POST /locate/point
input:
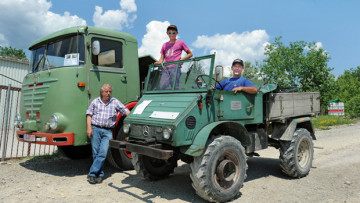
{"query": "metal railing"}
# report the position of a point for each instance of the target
(10, 147)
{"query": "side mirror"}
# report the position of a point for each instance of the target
(95, 47)
(219, 72)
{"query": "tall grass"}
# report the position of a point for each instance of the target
(326, 121)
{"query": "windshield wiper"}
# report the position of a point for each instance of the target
(38, 63)
(188, 73)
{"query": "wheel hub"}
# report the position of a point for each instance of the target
(226, 170)
(303, 153)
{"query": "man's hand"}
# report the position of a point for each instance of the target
(89, 132)
(237, 89)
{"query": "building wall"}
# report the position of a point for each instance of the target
(13, 68)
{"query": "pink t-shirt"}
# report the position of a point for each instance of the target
(172, 51)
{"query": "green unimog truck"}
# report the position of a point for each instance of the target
(213, 130)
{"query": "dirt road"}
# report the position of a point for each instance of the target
(335, 177)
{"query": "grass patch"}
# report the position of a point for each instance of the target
(326, 121)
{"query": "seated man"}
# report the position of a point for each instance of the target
(238, 83)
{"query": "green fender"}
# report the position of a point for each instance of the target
(304, 122)
(233, 129)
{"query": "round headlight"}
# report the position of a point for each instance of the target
(167, 133)
(126, 128)
(53, 122)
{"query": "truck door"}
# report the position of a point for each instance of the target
(107, 67)
(236, 106)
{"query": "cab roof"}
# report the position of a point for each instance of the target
(83, 30)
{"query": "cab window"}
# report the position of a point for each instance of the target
(110, 54)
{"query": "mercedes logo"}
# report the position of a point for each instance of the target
(146, 130)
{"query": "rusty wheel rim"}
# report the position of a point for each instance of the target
(303, 155)
(227, 171)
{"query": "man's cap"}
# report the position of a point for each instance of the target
(238, 61)
(172, 27)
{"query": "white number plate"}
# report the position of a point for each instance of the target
(29, 138)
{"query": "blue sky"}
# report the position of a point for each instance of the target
(232, 28)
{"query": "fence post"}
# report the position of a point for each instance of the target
(3, 150)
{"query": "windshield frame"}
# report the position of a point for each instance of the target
(208, 84)
(42, 64)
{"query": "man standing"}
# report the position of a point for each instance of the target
(100, 119)
(237, 83)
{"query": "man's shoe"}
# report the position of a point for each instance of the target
(99, 179)
(91, 179)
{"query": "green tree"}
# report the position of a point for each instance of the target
(12, 52)
(349, 92)
(302, 65)
(252, 73)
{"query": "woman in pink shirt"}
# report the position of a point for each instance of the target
(171, 51)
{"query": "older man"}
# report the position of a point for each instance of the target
(238, 83)
(101, 118)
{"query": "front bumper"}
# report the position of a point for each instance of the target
(153, 150)
(59, 139)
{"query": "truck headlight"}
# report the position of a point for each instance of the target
(167, 132)
(126, 128)
(53, 122)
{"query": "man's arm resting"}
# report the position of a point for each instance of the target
(249, 90)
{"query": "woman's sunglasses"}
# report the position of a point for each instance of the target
(172, 33)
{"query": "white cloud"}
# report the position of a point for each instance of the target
(22, 22)
(116, 19)
(154, 39)
(248, 46)
(128, 5)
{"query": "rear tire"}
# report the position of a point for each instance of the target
(120, 159)
(76, 152)
(153, 169)
(296, 156)
(219, 173)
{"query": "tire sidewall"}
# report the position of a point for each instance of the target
(226, 147)
(304, 135)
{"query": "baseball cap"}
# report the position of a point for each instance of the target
(172, 27)
(238, 61)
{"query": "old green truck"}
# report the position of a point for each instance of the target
(68, 68)
(213, 130)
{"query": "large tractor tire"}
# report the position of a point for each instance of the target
(153, 169)
(219, 173)
(76, 152)
(120, 159)
(296, 156)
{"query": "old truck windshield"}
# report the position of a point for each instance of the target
(68, 51)
(190, 75)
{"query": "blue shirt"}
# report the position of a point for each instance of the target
(105, 115)
(231, 83)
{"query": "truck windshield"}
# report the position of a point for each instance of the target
(190, 75)
(65, 52)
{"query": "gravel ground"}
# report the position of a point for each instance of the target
(334, 177)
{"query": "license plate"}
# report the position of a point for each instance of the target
(29, 138)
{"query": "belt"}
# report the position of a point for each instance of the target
(102, 127)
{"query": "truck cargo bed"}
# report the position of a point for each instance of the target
(285, 105)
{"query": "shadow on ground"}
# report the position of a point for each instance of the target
(177, 186)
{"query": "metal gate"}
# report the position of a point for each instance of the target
(12, 147)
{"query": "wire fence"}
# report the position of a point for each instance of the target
(12, 147)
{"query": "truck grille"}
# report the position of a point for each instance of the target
(34, 94)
